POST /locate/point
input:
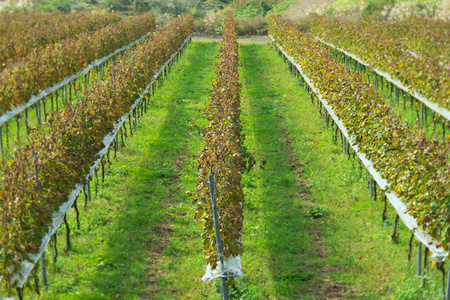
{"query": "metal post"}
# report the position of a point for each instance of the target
(217, 230)
(395, 94)
(43, 270)
(89, 190)
(7, 133)
(344, 144)
(447, 295)
(1, 139)
(421, 114)
(419, 259)
(38, 113)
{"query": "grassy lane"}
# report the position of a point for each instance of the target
(133, 238)
(347, 253)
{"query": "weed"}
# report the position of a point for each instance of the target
(315, 212)
(298, 277)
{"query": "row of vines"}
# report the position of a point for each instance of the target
(417, 168)
(42, 174)
(426, 74)
(39, 70)
(21, 34)
(222, 155)
(423, 36)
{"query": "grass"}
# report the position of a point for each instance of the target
(134, 234)
(311, 229)
(281, 7)
(347, 252)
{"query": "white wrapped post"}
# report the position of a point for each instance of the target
(218, 237)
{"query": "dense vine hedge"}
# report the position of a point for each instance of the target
(51, 64)
(21, 34)
(426, 37)
(222, 155)
(418, 169)
(424, 74)
(42, 174)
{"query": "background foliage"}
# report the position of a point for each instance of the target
(170, 7)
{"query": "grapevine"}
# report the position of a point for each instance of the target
(49, 167)
(425, 37)
(37, 71)
(222, 155)
(425, 74)
(417, 169)
(21, 34)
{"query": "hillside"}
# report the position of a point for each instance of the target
(385, 9)
(291, 9)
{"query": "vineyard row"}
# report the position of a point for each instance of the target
(347, 141)
(40, 107)
(40, 70)
(420, 36)
(21, 34)
(222, 157)
(398, 85)
(50, 167)
(425, 75)
(416, 170)
(35, 101)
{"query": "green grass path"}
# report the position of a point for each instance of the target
(135, 229)
(345, 254)
(139, 240)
